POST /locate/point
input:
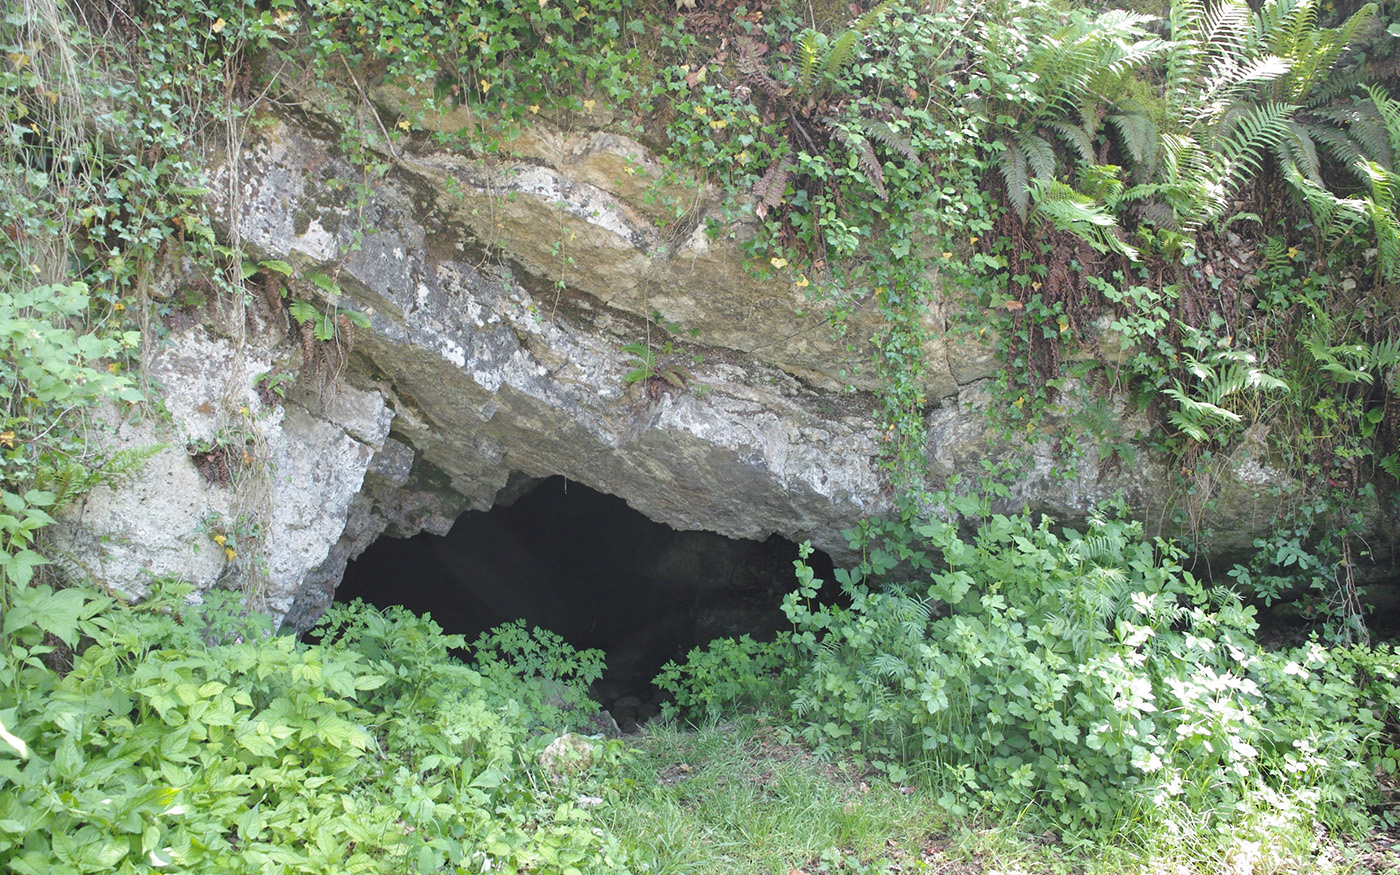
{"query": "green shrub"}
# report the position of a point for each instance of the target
(371, 750)
(728, 674)
(1085, 681)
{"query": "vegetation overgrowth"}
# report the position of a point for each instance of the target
(1213, 192)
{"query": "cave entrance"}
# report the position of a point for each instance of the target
(591, 569)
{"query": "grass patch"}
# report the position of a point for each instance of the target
(743, 795)
(740, 796)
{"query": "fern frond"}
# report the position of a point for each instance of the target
(809, 50)
(1260, 128)
(1040, 155)
(841, 53)
(1372, 136)
(1227, 27)
(1313, 51)
(890, 138)
(1139, 136)
(1101, 182)
(1076, 137)
(1069, 210)
(1389, 111)
(1013, 169)
(866, 159)
(1298, 148)
(302, 311)
(1342, 148)
(771, 187)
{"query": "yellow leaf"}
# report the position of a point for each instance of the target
(118, 306)
(947, 255)
(405, 125)
(1064, 326)
(719, 124)
(229, 554)
(218, 25)
(20, 61)
(485, 86)
(220, 539)
(588, 105)
(972, 241)
(779, 263)
(1036, 285)
(534, 107)
(802, 282)
(1293, 252)
(7, 439)
(114, 367)
(702, 110)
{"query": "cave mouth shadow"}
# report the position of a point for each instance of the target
(589, 568)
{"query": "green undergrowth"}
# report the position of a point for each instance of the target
(1022, 699)
(180, 738)
(743, 794)
(1080, 682)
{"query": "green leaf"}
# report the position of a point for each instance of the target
(489, 779)
(303, 311)
(277, 266)
(324, 283)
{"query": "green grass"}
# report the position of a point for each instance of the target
(739, 796)
(742, 796)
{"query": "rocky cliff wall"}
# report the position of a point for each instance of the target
(500, 294)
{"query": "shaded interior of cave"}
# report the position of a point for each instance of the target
(588, 567)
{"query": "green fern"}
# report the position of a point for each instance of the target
(1066, 209)
(1291, 31)
(1074, 73)
(822, 59)
(1228, 379)
(1378, 209)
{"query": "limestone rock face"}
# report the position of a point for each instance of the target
(500, 296)
(491, 374)
(242, 493)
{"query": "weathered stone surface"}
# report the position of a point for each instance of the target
(500, 295)
(1065, 470)
(283, 478)
(488, 379)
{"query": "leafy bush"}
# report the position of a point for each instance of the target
(727, 674)
(1084, 680)
(370, 750)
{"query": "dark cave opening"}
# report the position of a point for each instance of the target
(591, 569)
